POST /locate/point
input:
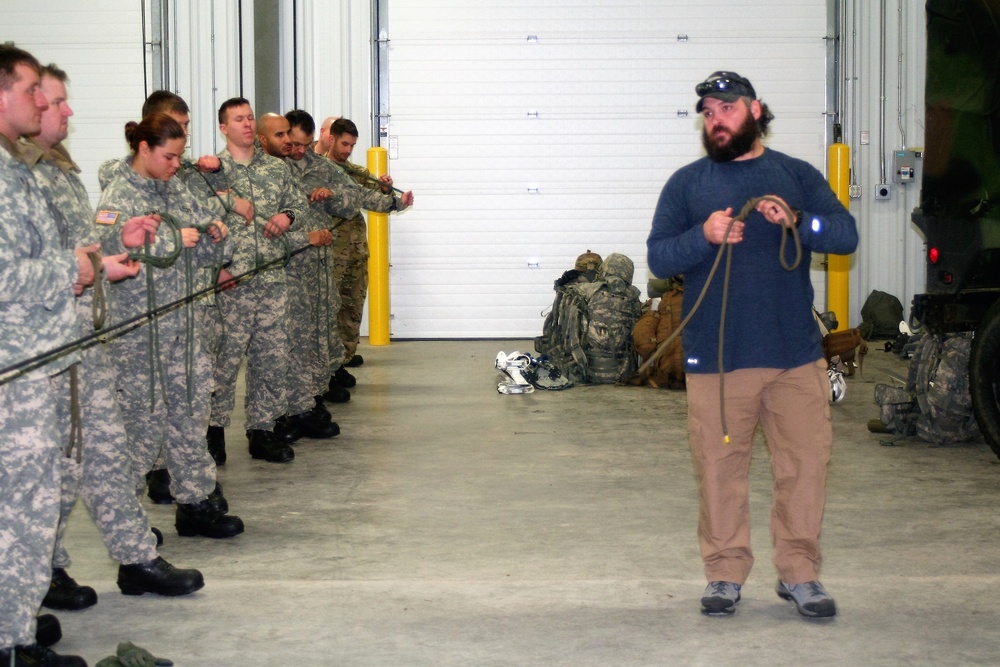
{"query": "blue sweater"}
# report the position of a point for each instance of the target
(769, 321)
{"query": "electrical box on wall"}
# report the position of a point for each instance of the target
(904, 165)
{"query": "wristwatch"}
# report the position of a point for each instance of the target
(291, 215)
(798, 216)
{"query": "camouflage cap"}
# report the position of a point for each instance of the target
(617, 267)
(588, 261)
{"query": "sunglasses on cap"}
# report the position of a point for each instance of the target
(725, 83)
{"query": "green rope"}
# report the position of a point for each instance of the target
(160, 262)
(349, 168)
(727, 250)
(99, 302)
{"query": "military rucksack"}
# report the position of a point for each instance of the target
(653, 328)
(880, 315)
(939, 380)
(588, 332)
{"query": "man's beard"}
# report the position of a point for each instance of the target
(740, 143)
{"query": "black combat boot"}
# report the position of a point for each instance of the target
(355, 361)
(312, 426)
(38, 656)
(158, 486)
(65, 593)
(336, 394)
(218, 500)
(203, 518)
(216, 438)
(343, 377)
(48, 630)
(284, 431)
(263, 445)
(158, 576)
(321, 409)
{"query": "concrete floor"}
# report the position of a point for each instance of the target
(450, 525)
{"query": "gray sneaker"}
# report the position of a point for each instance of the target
(810, 598)
(720, 597)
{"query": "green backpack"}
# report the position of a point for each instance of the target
(588, 332)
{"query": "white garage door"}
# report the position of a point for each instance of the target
(533, 130)
(100, 46)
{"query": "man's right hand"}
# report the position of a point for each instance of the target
(321, 237)
(119, 267)
(85, 266)
(715, 228)
(243, 208)
(209, 164)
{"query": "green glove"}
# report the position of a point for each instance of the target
(110, 661)
(130, 655)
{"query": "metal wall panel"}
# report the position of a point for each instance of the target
(531, 132)
(100, 46)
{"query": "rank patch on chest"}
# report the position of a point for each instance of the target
(106, 217)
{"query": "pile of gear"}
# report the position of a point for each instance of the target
(598, 331)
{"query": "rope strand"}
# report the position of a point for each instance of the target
(727, 250)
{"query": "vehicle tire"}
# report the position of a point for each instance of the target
(984, 377)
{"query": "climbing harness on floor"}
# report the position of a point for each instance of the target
(727, 250)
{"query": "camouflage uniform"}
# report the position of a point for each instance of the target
(352, 193)
(254, 312)
(219, 204)
(314, 335)
(107, 477)
(166, 357)
(36, 315)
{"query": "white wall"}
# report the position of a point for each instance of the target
(890, 255)
(100, 46)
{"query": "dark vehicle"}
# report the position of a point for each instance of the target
(959, 210)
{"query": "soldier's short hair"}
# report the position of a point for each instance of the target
(55, 72)
(342, 126)
(164, 101)
(10, 58)
(302, 120)
(229, 104)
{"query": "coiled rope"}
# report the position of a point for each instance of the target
(727, 250)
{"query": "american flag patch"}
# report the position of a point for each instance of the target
(107, 217)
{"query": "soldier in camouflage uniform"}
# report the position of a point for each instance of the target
(350, 242)
(38, 279)
(106, 470)
(307, 416)
(255, 310)
(206, 309)
(164, 375)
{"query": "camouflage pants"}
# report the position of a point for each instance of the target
(104, 479)
(209, 319)
(335, 346)
(178, 421)
(309, 319)
(29, 504)
(255, 318)
(350, 270)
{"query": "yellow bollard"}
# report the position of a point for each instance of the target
(378, 258)
(838, 267)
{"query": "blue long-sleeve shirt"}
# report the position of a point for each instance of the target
(769, 321)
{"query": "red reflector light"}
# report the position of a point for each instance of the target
(947, 278)
(933, 255)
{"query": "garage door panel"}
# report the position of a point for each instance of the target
(523, 153)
